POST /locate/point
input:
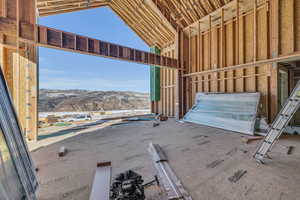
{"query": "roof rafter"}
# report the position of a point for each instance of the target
(52, 7)
(155, 21)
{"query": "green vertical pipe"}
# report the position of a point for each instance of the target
(154, 78)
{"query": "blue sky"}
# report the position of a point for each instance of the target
(66, 70)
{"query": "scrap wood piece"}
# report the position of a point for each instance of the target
(248, 140)
(170, 181)
(290, 150)
(214, 164)
(101, 184)
(62, 151)
(155, 124)
(237, 176)
(163, 118)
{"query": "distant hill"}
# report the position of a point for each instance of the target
(84, 100)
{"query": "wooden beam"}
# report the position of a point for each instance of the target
(58, 39)
(67, 9)
(51, 7)
(274, 18)
(255, 30)
(154, 7)
(286, 58)
(223, 43)
(237, 35)
(206, 18)
(10, 27)
(275, 37)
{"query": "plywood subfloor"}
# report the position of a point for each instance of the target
(204, 158)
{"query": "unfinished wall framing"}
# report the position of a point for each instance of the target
(217, 46)
(19, 60)
(166, 105)
(225, 53)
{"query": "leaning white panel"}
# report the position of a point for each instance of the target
(230, 111)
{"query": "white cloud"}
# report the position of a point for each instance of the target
(93, 84)
(48, 72)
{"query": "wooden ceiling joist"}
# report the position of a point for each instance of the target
(155, 21)
(229, 10)
(52, 7)
(142, 19)
(164, 20)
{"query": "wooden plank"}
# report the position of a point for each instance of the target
(274, 18)
(255, 30)
(178, 76)
(62, 151)
(101, 183)
(288, 58)
(237, 34)
(61, 7)
(223, 46)
(154, 7)
(286, 30)
(274, 90)
(209, 43)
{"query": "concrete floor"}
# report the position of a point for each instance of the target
(204, 158)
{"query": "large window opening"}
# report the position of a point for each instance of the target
(76, 87)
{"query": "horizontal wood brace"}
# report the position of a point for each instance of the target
(287, 58)
(231, 78)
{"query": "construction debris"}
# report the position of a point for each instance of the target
(62, 151)
(290, 150)
(248, 140)
(214, 163)
(229, 111)
(170, 181)
(101, 184)
(237, 176)
(162, 117)
(155, 124)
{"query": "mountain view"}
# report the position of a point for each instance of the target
(84, 100)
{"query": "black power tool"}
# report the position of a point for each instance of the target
(127, 186)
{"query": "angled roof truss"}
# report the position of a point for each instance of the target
(155, 21)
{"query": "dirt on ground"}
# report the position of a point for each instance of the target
(213, 164)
